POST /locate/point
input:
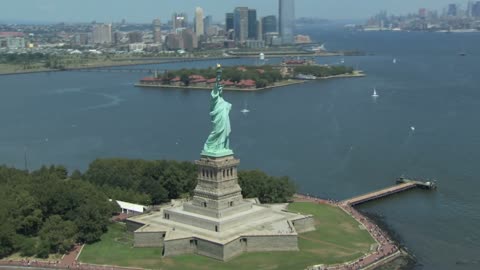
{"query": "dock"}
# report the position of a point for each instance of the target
(403, 184)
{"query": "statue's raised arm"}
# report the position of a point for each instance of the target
(217, 144)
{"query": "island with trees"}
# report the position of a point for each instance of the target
(249, 78)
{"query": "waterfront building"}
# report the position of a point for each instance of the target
(252, 24)
(286, 22)
(135, 37)
(136, 47)
(273, 39)
(255, 44)
(207, 23)
(229, 18)
(157, 31)
(199, 29)
(174, 41)
(102, 34)
(240, 24)
(12, 40)
(269, 24)
(179, 20)
(190, 41)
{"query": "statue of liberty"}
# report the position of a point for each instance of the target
(217, 144)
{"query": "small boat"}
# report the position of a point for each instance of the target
(342, 61)
(374, 93)
(412, 128)
(245, 110)
(394, 60)
(462, 53)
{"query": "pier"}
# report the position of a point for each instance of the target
(403, 184)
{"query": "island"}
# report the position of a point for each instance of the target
(249, 78)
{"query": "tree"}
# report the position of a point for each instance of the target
(27, 246)
(268, 189)
(185, 79)
(7, 238)
(92, 222)
(60, 234)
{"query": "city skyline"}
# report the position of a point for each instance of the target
(143, 12)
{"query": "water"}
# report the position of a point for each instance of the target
(332, 137)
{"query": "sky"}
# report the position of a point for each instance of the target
(143, 11)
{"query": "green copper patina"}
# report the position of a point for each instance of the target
(217, 144)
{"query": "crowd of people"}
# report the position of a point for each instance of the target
(385, 248)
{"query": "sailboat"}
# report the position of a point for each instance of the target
(375, 95)
(245, 110)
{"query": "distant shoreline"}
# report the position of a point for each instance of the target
(166, 60)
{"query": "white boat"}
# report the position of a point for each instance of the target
(394, 60)
(374, 93)
(412, 128)
(342, 61)
(245, 110)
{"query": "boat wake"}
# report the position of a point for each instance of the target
(113, 101)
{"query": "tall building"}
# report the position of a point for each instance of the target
(229, 18)
(259, 30)
(102, 34)
(252, 24)
(422, 13)
(190, 40)
(476, 9)
(240, 24)
(179, 20)
(452, 10)
(199, 29)
(286, 12)
(174, 41)
(135, 37)
(207, 23)
(157, 31)
(269, 24)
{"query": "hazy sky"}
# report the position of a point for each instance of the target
(146, 10)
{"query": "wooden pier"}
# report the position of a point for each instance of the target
(403, 184)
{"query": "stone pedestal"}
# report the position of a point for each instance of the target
(217, 193)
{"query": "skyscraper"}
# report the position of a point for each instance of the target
(286, 12)
(199, 29)
(157, 31)
(476, 9)
(229, 21)
(240, 23)
(179, 20)
(269, 24)
(452, 10)
(252, 24)
(207, 23)
(102, 34)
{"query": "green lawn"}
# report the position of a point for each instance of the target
(337, 239)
